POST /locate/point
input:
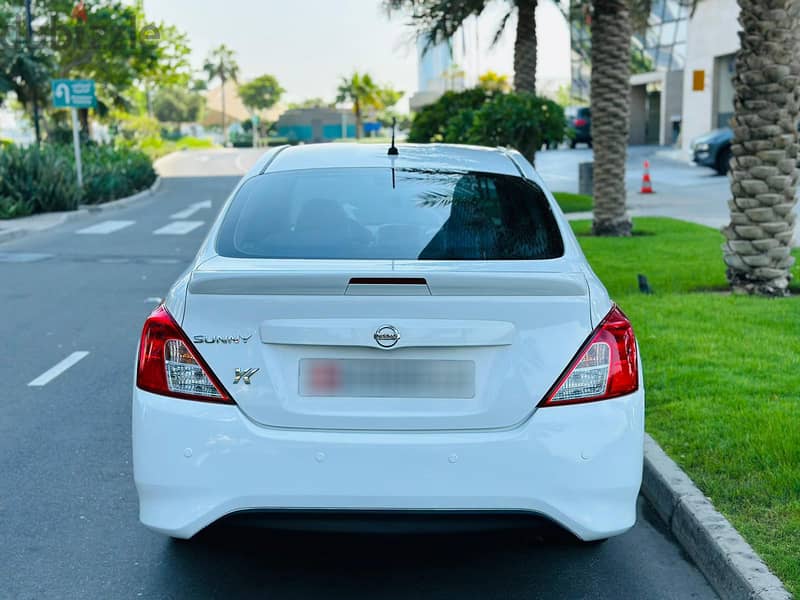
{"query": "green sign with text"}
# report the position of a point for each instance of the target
(73, 93)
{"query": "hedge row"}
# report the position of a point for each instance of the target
(42, 179)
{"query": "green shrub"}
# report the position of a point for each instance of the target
(110, 173)
(430, 124)
(34, 180)
(480, 116)
(42, 179)
(520, 120)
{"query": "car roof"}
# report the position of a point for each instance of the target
(420, 156)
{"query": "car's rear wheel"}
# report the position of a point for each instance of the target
(723, 161)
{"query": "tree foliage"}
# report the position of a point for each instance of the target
(178, 105)
(439, 20)
(494, 82)
(431, 122)
(261, 93)
(487, 118)
(363, 92)
(221, 64)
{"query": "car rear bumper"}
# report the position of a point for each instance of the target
(579, 465)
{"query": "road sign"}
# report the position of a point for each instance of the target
(73, 93)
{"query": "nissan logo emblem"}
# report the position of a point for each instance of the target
(387, 336)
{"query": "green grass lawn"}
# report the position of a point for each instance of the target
(573, 202)
(722, 377)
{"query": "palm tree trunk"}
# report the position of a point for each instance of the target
(610, 99)
(357, 109)
(763, 172)
(224, 130)
(525, 47)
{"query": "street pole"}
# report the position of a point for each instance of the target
(34, 98)
(76, 141)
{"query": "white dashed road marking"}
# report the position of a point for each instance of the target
(193, 208)
(178, 228)
(105, 227)
(153, 300)
(58, 369)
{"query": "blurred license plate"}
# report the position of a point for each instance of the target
(387, 378)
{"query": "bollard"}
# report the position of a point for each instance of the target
(585, 178)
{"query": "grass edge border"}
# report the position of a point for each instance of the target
(728, 562)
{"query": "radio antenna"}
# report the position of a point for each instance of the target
(393, 149)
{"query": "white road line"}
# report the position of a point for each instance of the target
(193, 208)
(178, 228)
(153, 300)
(58, 369)
(105, 227)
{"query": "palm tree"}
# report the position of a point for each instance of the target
(363, 92)
(221, 64)
(438, 20)
(763, 172)
(610, 101)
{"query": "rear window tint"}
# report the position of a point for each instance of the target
(384, 213)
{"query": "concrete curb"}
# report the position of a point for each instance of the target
(45, 221)
(732, 567)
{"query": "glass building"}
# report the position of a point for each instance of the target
(658, 56)
(662, 46)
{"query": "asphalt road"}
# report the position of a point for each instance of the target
(68, 508)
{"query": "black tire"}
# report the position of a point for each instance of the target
(572, 144)
(723, 161)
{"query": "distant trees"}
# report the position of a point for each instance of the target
(261, 93)
(178, 105)
(109, 41)
(221, 65)
(365, 94)
(310, 103)
(494, 82)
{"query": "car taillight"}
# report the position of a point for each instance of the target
(170, 366)
(580, 122)
(605, 367)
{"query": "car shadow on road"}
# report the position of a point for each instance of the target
(253, 562)
(309, 565)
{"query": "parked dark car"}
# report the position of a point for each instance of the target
(713, 149)
(580, 128)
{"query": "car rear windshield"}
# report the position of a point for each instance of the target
(384, 213)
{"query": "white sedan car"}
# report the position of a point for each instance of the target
(365, 334)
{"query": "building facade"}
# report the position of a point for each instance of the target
(682, 69)
(312, 125)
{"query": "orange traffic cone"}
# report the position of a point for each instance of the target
(647, 185)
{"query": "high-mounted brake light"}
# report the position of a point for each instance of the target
(606, 366)
(580, 122)
(169, 365)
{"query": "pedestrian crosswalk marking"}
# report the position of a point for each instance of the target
(105, 227)
(178, 228)
(193, 208)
